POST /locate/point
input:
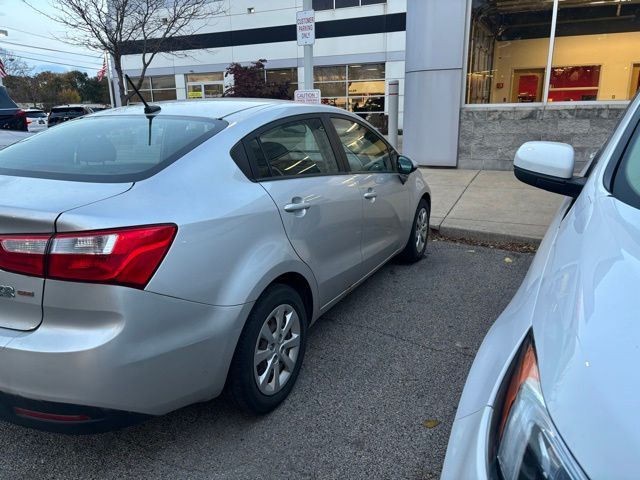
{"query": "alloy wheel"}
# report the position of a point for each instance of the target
(422, 229)
(277, 348)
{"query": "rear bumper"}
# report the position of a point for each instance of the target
(117, 348)
(63, 417)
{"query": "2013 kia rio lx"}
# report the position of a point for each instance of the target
(554, 391)
(148, 259)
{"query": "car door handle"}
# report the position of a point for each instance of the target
(370, 195)
(296, 207)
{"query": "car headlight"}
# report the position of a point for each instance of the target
(529, 446)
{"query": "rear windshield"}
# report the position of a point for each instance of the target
(67, 112)
(35, 114)
(122, 148)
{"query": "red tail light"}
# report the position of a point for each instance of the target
(23, 253)
(124, 256)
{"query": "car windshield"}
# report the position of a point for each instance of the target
(35, 114)
(626, 185)
(120, 148)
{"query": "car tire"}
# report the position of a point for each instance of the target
(417, 243)
(268, 347)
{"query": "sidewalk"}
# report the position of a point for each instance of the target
(488, 205)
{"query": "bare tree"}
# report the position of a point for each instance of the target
(121, 27)
(14, 65)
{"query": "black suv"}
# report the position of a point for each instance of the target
(11, 116)
(63, 113)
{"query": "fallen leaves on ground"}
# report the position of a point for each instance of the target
(431, 423)
(508, 260)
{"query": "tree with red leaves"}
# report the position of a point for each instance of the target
(251, 82)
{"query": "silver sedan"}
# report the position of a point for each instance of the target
(149, 259)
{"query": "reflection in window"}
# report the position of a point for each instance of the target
(365, 151)
(300, 148)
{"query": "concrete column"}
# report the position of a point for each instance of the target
(181, 87)
(433, 80)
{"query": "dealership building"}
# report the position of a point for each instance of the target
(477, 77)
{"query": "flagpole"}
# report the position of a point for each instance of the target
(109, 79)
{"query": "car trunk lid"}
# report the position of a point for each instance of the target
(31, 206)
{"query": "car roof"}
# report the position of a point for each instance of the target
(71, 105)
(215, 107)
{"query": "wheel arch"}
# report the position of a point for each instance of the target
(300, 284)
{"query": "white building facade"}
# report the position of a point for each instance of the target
(480, 76)
(351, 70)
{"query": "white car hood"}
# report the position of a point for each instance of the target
(8, 137)
(586, 327)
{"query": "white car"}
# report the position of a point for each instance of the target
(36, 120)
(554, 391)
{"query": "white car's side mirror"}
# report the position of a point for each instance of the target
(548, 165)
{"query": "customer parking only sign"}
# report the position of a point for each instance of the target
(306, 27)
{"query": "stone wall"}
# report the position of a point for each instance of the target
(489, 137)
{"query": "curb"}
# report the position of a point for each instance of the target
(456, 233)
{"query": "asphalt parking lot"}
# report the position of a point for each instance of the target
(386, 361)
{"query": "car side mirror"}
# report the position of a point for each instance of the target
(406, 166)
(549, 166)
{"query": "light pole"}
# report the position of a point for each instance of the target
(3, 33)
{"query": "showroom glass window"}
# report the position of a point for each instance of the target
(358, 88)
(331, 4)
(597, 51)
(281, 75)
(508, 51)
(156, 88)
(594, 56)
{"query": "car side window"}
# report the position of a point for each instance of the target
(298, 148)
(365, 151)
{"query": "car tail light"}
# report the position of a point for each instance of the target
(124, 256)
(23, 253)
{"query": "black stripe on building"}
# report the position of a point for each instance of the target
(395, 22)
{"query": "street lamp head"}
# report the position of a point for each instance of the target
(4, 33)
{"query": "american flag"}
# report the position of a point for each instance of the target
(3, 71)
(103, 70)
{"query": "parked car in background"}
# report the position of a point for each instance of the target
(12, 117)
(553, 391)
(63, 113)
(98, 107)
(160, 256)
(36, 120)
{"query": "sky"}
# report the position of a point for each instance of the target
(30, 32)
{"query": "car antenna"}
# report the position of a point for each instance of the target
(148, 109)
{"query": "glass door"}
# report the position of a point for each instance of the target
(195, 91)
(205, 85)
